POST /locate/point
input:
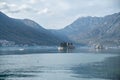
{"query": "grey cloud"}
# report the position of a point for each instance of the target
(13, 8)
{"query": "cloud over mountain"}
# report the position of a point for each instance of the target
(59, 12)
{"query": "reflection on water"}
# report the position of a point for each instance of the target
(81, 64)
(53, 49)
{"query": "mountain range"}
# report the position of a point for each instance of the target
(85, 30)
(93, 30)
(25, 32)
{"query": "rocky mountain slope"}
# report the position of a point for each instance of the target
(90, 30)
(24, 32)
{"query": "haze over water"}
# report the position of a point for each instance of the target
(80, 64)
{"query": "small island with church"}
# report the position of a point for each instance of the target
(66, 45)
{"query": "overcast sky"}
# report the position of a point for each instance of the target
(55, 14)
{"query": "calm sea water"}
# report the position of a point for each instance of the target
(36, 64)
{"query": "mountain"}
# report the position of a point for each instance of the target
(85, 30)
(92, 30)
(24, 32)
